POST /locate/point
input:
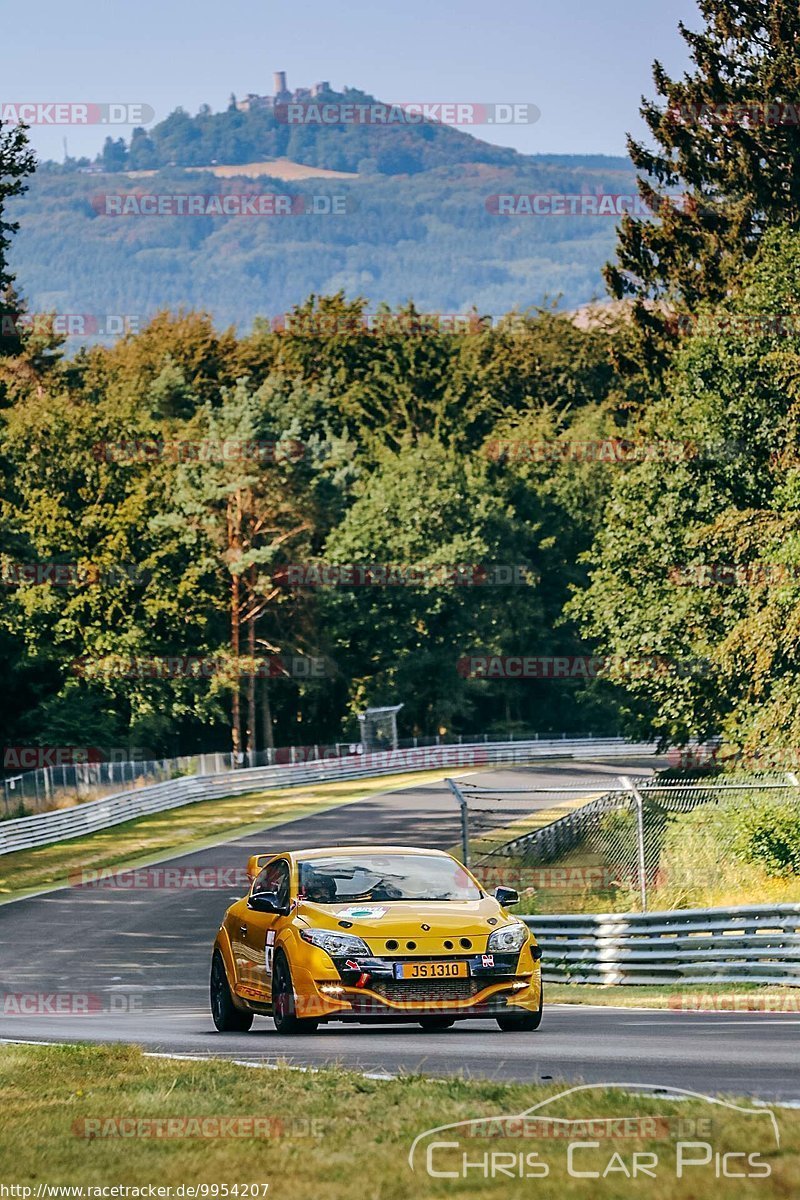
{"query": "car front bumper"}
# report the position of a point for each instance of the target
(371, 990)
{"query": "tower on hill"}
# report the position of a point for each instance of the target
(282, 94)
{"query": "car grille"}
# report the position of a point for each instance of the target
(421, 991)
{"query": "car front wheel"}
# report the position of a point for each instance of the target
(522, 1024)
(227, 1017)
(284, 1012)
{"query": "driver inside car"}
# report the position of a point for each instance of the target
(319, 889)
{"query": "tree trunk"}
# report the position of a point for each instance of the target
(267, 735)
(251, 678)
(236, 712)
(234, 544)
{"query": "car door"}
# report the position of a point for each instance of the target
(257, 931)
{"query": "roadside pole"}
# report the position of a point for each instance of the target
(462, 803)
(631, 787)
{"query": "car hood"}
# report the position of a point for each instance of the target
(406, 918)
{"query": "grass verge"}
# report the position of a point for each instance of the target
(332, 1133)
(191, 827)
(711, 997)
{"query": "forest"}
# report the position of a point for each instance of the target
(533, 523)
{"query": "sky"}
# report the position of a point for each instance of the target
(584, 65)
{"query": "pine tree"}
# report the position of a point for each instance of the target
(16, 163)
(727, 161)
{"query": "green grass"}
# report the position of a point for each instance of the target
(191, 827)
(345, 1135)
(748, 997)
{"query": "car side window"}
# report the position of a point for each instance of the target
(274, 878)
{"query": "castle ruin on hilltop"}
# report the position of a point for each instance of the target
(282, 94)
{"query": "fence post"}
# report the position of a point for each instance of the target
(462, 803)
(793, 780)
(629, 786)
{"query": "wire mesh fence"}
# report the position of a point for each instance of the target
(634, 842)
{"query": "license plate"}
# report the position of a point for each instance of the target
(431, 970)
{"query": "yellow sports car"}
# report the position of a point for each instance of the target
(372, 934)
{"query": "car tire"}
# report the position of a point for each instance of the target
(283, 1007)
(227, 1017)
(437, 1024)
(524, 1024)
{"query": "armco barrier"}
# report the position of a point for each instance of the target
(25, 833)
(757, 943)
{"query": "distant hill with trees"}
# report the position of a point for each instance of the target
(234, 136)
(427, 234)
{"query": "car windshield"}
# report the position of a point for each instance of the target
(375, 877)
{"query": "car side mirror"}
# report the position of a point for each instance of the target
(506, 896)
(265, 902)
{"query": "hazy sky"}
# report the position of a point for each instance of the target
(585, 65)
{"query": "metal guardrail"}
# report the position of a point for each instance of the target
(757, 943)
(55, 784)
(43, 829)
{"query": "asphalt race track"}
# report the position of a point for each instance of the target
(142, 957)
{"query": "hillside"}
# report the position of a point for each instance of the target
(415, 221)
(265, 131)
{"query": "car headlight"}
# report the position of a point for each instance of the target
(508, 939)
(336, 944)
